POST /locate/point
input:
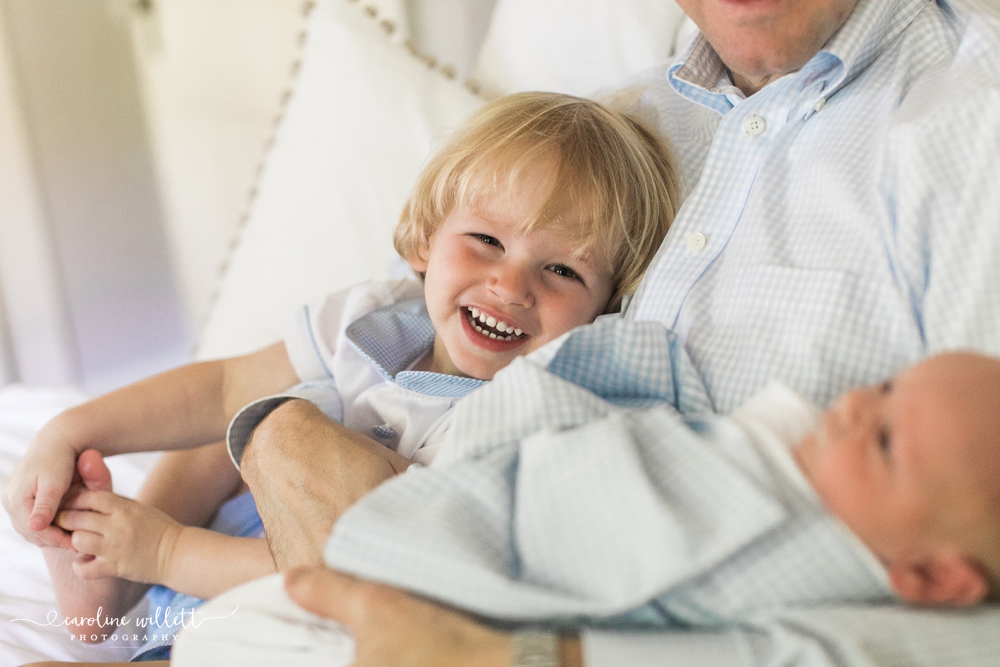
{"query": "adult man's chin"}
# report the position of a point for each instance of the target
(764, 39)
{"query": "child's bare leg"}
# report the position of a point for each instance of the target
(83, 598)
(189, 485)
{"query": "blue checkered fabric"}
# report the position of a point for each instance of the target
(860, 230)
(393, 337)
(556, 502)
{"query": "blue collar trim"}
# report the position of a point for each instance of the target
(393, 338)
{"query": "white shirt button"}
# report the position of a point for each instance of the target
(754, 125)
(820, 103)
(695, 242)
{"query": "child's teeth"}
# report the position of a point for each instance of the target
(487, 320)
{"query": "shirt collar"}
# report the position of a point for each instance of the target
(700, 75)
(393, 338)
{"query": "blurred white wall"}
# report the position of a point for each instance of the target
(34, 320)
(213, 73)
(131, 133)
(89, 201)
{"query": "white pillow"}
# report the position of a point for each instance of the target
(354, 136)
(574, 46)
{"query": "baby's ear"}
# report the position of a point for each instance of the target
(948, 580)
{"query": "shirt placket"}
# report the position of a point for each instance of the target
(713, 210)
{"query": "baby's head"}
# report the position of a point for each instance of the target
(540, 213)
(912, 466)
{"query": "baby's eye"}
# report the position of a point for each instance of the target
(489, 240)
(564, 271)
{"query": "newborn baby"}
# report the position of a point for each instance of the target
(686, 516)
(564, 499)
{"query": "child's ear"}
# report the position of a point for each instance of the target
(948, 580)
(417, 260)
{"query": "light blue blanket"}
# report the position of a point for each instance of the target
(597, 486)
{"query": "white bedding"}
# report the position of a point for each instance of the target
(25, 589)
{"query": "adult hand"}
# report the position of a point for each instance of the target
(304, 471)
(394, 629)
(37, 485)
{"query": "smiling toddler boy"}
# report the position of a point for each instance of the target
(538, 215)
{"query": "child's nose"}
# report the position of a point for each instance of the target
(511, 285)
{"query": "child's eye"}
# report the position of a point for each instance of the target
(563, 270)
(489, 240)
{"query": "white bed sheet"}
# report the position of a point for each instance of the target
(25, 588)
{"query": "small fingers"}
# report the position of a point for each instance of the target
(73, 520)
(45, 505)
(87, 542)
(54, 536)
(97, 501)
(47, 494)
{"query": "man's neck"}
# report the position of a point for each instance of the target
(751, 84)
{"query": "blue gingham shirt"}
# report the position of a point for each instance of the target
(859, 230)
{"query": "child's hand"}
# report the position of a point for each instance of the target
(37, 485)
(119, 537)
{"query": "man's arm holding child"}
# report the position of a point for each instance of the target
(304, 471)
(179, 409)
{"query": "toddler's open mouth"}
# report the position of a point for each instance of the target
(489, 327)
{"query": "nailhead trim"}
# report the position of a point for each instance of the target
(388, 27)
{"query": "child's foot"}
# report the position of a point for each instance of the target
(82, 598)
(93, 471)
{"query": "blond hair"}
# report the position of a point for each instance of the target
(616, 177)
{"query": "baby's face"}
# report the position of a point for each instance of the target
(889, 459)
(495, 293)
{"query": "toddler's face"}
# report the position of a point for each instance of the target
(494, 293)
(888, 459)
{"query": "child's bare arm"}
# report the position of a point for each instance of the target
(182, 408)
(133, 541)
